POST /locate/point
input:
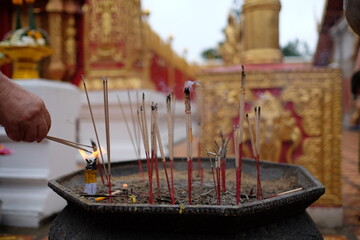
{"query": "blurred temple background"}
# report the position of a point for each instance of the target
(309, 99)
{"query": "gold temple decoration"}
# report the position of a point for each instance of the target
(25, 59)
(3, 59)
(312, 126)
(261, 37)
(253, 36)
(56, 69)
(232, 49)
(70, 8)
(123, 49)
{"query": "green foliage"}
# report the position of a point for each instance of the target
(210, 53)
(296, 48)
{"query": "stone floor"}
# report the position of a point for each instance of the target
(350, 191)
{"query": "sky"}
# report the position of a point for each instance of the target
(197, 25)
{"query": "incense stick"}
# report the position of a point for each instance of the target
(136, 133)
(132, 138)
(95, 130)
(69, 143)
(239, 136)
(144, 133)
(188, 139)
(154, 146)
(107, 128)
(259, 194)
(170, 122)
(158, 137)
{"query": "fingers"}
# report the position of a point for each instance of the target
(14, 133)
(42, 130)
(47, 118)
(34, 129)
(30, 134)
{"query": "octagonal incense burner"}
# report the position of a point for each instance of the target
(85, 219)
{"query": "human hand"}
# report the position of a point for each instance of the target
(22, 113)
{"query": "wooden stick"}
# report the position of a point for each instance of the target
(239, 136)
(107, 195)
(96, 133)
(170, 122)
(69, 143)
(251, 136)
(131, 137)
(214, 179)
(237, 168)
(136, 135)
(259, 194)
(158, 137)
(144, 133)
(154, 146)
(188, 139)
(107, 128)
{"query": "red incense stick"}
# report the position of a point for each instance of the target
(259, 194)
(158, 137)
(188, 139)
(154, 146)
(170, 121)
(239, 136)
(143, 129)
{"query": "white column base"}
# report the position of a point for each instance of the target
(326, 217)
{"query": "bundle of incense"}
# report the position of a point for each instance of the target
(70, 143)
(238, 137)
(170, 122)
(158, 137)
(95, 130)
(107, 128)
(144, 133)
(188, 139)
(154, 158)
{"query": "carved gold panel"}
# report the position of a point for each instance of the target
(301, 118)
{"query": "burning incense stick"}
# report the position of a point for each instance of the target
(170, 121)
(188, 139)
(96, 133)
(158, 137)
(69, 143)
(107, 128)
(154, 145)
(239, 136)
